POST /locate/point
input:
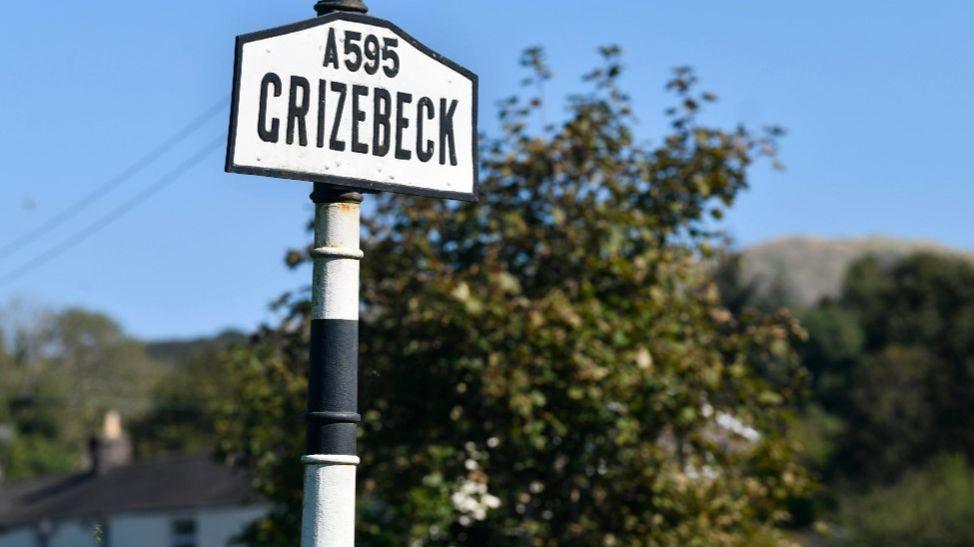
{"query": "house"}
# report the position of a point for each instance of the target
(187, 501)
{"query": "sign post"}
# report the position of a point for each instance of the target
(355, 105)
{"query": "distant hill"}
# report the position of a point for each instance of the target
(807, 269)
(175, 352)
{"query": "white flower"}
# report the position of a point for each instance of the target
(473, 501)
(732, 424)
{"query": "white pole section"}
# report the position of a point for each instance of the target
(329, 484)
(328, 519)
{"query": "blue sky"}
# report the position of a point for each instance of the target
(876, 96)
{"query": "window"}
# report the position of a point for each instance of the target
(183, 533)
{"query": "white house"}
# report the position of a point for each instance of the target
(189, 501)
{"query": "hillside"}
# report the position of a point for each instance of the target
(181, 351)
(808, 268)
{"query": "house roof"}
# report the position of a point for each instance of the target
(187, 482)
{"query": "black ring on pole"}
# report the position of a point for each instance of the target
(326, 193)
(327, 6)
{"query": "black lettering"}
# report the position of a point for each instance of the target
(342, 90)
(358, 116)
(402, 99)
(424, 149)
(352, 47)
(331, 50)
(322, 92)
(389, 46)
(274, 133)
(381, 126)
(372, 54)
(296, 114)
(446, 131)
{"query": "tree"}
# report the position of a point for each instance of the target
(75, 364)
(892, 358)
(835, 345)
(892, 417)
(917, 316)
(929, 507)
(552, 365)
(99, 367)
(185, 402)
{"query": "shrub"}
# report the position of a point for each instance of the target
(930, 507)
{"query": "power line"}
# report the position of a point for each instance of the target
(135, 168)
(114, 214)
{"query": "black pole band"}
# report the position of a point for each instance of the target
(324, 7)
(333, 388)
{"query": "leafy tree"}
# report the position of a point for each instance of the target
(892, 413)
(925, 302)
(551, 366)
(929, 507)
(75, 364)
(892, 357)
(835, 345)
(185, 403)
(32, 442)
(100, 368)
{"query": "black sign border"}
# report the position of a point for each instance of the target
(363, 184)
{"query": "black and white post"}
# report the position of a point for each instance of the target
(330, 464)
(354, 104)
(328, 518)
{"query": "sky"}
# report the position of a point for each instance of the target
(875, 95)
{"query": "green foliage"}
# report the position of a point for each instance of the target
(925, 300)
(550, 366)
(32, 455)
(893, 412)
(73, 364)
(893, 358)
(892, 361)
(932, 507)
(835, 344)
(819, 434)
(185, 403)
(99, 368)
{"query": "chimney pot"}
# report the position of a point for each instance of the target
(112, 448)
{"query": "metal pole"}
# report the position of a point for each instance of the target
(328, 519)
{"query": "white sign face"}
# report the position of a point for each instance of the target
(353, 101)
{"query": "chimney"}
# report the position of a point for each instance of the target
(112, 448)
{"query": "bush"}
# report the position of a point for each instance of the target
(931, 507)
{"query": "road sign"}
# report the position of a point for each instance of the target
(352, 100)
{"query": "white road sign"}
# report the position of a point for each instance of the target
(354, 101)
